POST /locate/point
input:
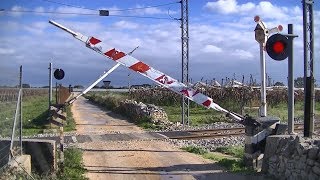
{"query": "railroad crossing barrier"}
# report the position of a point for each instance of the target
(256, 133)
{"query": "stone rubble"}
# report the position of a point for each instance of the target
(210, 144)
(292, 157)
(149, 112)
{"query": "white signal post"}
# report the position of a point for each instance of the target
(261, 36)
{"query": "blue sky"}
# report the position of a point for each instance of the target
(221, 39)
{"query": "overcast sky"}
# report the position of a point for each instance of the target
(221, 39)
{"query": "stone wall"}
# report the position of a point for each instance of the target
(138, 111)
(292, 157)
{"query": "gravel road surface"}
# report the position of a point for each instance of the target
(140, 158)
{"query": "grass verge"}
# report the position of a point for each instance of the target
(35, 114)
(198, 115)
(233, 163)
(70, 123)
(73, 166)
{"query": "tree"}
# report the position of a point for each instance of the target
(278, 84)
(298, 82)
(26, 86)
(78, 87)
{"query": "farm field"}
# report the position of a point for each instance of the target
(230, 98)
(34, 110)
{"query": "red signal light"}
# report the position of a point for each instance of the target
(277, 47)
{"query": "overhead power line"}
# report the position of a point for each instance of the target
(85, 14)
(47, 12)
(64, 4)
(128, 9)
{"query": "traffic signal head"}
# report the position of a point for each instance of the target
(277, 47)
(58, 74)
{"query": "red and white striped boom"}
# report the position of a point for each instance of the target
(147, 71)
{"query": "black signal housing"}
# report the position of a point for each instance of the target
(277, 47)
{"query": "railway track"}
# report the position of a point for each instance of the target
(216, 133)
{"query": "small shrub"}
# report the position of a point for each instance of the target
(195, 149)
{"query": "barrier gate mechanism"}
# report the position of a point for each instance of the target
(255, 128)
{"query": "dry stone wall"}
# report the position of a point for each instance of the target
(138, 111)
(292, 157)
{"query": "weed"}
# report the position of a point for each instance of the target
(195, 150)
(235, 151)
(73, 167)
(233, 164)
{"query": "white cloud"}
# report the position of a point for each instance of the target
(211, 49)
(228, 6)
(6, 51)
(264, 8)
(17, 8)
(151, 11)
(242, 54)
(72, 11)
(36, 27)
(39, 9)
(125, 25)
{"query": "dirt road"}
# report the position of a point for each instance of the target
(135, 159)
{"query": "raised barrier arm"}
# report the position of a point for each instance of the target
(148, 71)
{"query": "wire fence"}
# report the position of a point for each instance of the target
(10, 117)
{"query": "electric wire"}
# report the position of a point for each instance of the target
(143, 17)
(86, 14)
(64, 4)
(128, 9)
(49, 12)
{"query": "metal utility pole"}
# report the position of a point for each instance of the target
(50, 84)
(309, 95)
(20, 111)
(185, 58)
(290, 37)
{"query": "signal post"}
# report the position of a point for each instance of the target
(279, 47)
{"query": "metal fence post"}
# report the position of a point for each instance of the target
(20, 110)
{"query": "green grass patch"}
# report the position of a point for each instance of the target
(198, 115)
(235, 151)
(232, 161)
(70, 123)
(281, 110)
(234, 165)
(73, 166)
(195, 150)
(35, 114)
